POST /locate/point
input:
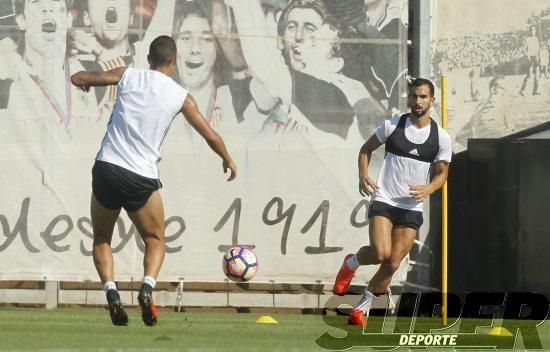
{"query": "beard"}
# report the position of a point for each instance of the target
(419, 113)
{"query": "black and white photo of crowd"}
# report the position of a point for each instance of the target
(498, 82)
(321, 68)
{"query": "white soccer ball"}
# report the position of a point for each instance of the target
(240, 264)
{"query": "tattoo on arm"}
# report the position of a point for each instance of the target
(106, 78)
(98, 78)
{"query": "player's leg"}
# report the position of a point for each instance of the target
(380, 230)
(103, 222)
(379, 250)
(526, 78)
(380, 244)
(149, 221)
(402, 238)
(536, 74)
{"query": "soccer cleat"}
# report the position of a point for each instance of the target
(149, 313)
(343, 278)
(116, 311)
(357, 318)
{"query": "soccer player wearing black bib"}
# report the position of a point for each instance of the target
(125, 174)
(413, 143)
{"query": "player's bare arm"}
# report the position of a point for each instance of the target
(86, 79)
(420, 192)
(221, 26)
(214, 140)
(367, 185)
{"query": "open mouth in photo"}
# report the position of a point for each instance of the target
(49, 26)
(193, 65)
(296, 52)
(111, 16)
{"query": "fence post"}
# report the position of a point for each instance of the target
(52, 294)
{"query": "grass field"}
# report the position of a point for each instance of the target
(91, 329)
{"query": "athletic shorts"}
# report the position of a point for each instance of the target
(398, 216)
(115, 187)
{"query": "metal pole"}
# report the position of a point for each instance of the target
(444, 215)
(422, 54)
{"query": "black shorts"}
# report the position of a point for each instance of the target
(115, 187)
(398, 216)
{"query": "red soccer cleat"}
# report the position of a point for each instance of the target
(343, 279)
(149, 313)
(357, 318)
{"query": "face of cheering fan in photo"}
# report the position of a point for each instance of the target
(196, 51)
(317, 53)
(300, 28)
(45, 23)
(109, 20)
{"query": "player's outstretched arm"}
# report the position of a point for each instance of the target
(86, 79)
(214, 140)
(419, 192)
(228, 40)
(260, 48)
(367, 185)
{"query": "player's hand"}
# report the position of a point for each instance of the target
(231, 167)
(85, 89)
(82, 42)
(13, 66)
(367, 185)
(419, 192)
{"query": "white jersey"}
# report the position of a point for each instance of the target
(147, 102)
(399, 171)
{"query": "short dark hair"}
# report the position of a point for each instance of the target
(19, 6)
(185, 9)
(315, 5)
(418, 82)
(162, 51)
(345, 34)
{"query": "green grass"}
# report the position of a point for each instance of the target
(91, 329)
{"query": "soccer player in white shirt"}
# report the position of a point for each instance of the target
(125, 174)
(413, 142)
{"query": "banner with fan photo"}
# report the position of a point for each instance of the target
(293, 87)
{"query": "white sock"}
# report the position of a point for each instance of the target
(149, 280)
(365, 302)
(352, 263)
(109, 285)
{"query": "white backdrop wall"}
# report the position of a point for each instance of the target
(295, 200)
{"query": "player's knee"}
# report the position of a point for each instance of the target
(154, 237)
(390, 265)
(381, 255)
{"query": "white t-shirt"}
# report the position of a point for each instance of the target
(147, 103)
(398, 172)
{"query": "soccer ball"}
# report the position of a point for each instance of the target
(240, 264)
